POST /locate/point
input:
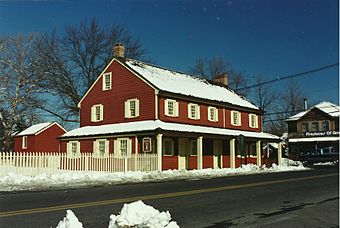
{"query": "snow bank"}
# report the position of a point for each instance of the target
(76, 179)
(70, 221)
(138, 214)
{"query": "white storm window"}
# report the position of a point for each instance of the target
(123, 147)
(107, 78)
(132, 108)
(24, 142)
(235, 118)
(212, 114)
(171, 107)
(168, 147)
(97, 113)
(253, 121)
(101, 148)
(193, 111)
(73, 149)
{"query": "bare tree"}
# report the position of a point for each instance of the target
(290, 103)
(71, 63)
(19, 94)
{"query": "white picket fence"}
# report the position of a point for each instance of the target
(32, 164)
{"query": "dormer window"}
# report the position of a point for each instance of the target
(97, 112)
(132, 108)
(193, 111)
(107, 81)
(253, 121)
(171, 108)
(235, 118)
(212, 114)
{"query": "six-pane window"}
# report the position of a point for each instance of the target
(123, 147)
(101, 147)
(235, 118)
(212, 114)
(97, 112)
(107, 81)
(253, 121)
(132, 108)
(193, 111)
(171, 107)
(74, 146)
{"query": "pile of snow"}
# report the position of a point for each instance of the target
(76, 179)
(138, 214)
(70, 221)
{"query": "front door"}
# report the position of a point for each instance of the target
(183, 153)
(217, 154)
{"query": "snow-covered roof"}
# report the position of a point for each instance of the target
(326, 107)
(151, 125)
(180, 83)
(316, 139)
(37, 128)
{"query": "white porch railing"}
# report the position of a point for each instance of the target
(32, 164)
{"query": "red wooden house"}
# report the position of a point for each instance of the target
(190, 123)
(41, 137)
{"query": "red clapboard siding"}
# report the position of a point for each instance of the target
(169, 162)
(183, 114)
(251, 161)
(45, 141)
(193, 162)
(208, 161)
(125, 85)
(226, 161)
(244, 122)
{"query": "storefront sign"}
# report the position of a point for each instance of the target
(321, 133)
(147, 145)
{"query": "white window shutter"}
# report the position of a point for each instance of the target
(239, 118)
(115, 147)
(189, 111)
(176, 109)
(93, 110)
(129, 147)
(250, 121)
(127, 109)
(78, 147)
(94, 147)
(209, 116)
(166, 107)
(137, 107)
(103, 80)
(101, 112)
(107, 145)
(68, 148)
(256, 121)
(216, 115)
(198, 112)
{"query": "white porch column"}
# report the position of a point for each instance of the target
(200, 152)
(279, 153)
(258, 153)
(232, 153)
(159, 151)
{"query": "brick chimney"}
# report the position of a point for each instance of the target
(118, 50)
(221, 79)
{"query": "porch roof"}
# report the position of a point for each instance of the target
(316, 139)
(151, 125)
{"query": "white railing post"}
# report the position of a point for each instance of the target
(279, 153)
(159, 151)
(232, 153)
(258, 153)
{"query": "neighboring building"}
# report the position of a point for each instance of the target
(134, 107)
(41, 137)
(315, 128)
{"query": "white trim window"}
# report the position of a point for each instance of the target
(253, 121)
(24, 142)
(123, 147)
(168, 147)
(235, 118)
(97, 113)
(212, 114)
(193, 111)
(107, 81)
(101, 148)
(73, 149)
(171, 108)
(132, 108)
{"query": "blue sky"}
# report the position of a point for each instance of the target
(260, 37)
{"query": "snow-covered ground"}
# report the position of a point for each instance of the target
(76, 179)
(136, 214)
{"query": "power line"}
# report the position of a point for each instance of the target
(291, 76)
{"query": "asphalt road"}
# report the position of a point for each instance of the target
(289, 199)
